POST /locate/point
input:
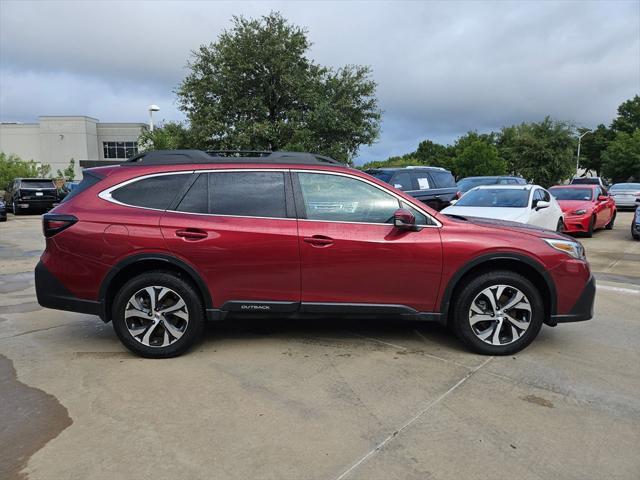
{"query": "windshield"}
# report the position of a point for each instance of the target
(468, 183)
(37, 184)
(495, 197)
(572, 193)
(625, 186)
(381, 175)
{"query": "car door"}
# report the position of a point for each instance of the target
(537, 216)
(551, 214)
(238, 229)
(601, 209)
(352, 255)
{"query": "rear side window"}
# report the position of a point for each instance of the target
(242, 194)
(88, 180)
(152, 192)
(443, 179)
(250, 194)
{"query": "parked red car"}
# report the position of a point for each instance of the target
(586, 208)
(169, 239)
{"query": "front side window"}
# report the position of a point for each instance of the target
(402, 180)
(344, 199)
(152, 192)
(119, 149)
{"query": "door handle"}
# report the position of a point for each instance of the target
(319, 241)
(191, 234)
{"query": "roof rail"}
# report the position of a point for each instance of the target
(177, 157)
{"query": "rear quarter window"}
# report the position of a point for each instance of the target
(152, 192)
(88, 180)
(442, 179)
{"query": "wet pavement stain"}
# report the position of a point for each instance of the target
(21, 308)
(543, 402)
(29, 419)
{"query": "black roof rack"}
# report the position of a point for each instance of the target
(177, 157)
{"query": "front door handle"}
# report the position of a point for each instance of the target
(319, 241)
(191, 234)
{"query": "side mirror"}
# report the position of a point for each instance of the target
(542, 204)
(403, 219)
(603, 198)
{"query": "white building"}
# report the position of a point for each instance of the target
(55, 140)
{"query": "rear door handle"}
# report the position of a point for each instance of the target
(319, 241)
(191, 234)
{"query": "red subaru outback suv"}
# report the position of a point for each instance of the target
(168, 239)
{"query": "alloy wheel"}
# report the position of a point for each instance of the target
(156, 316)
(500, 315)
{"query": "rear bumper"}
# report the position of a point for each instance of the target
(36, 204)
(53, 294)
(583, 308)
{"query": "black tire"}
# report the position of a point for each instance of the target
(592, 227)
(15, 209)
(609, 226)
(461, 312)
(194, 308)
(560, 225)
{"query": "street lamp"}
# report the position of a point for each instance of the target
(155, 108)
(578, 159)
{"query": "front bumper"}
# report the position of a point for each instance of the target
(52, 293)
(583, 308)
(576, 223)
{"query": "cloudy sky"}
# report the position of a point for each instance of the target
(442, 68)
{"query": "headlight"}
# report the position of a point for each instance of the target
(573, 249)
(582, 211)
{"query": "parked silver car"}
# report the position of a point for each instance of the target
(625, 194)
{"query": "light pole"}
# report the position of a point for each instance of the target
(578, 159)
(155, 108)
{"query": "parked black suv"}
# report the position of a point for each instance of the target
(24, 194)
(431, 185)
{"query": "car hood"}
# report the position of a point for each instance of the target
(498, 213)
(518, 227)
(571, 205)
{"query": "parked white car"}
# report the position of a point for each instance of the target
(530, 204)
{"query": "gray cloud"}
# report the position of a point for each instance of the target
(442, 68)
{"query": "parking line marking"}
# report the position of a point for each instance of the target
(432, 404)
(619, 289)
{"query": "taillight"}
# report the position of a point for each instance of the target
(53, 223)
(458, 195)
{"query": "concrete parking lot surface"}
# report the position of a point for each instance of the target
(319, 400)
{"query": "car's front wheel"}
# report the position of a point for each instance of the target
(609, 225)
(498, 313)
(158, 315)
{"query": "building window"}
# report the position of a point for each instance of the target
(119, 149)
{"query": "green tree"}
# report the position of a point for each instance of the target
(621, 159)
(12, 166)
(68, 173)
(479, 157)
(628, 119)
(542, 152)
(593, 146)
(168, 136)
(255, 88)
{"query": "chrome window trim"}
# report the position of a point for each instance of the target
(400, 199)
(106, 194)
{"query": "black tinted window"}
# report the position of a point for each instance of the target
(153, 192)
(442, 179)
(88, 180)
(197, 198)
(37, 184)
(402, 180)
(255, 194)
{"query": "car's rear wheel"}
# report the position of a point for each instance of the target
(498, 313)
(15, 209)
(158, 315)
(609, 225)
